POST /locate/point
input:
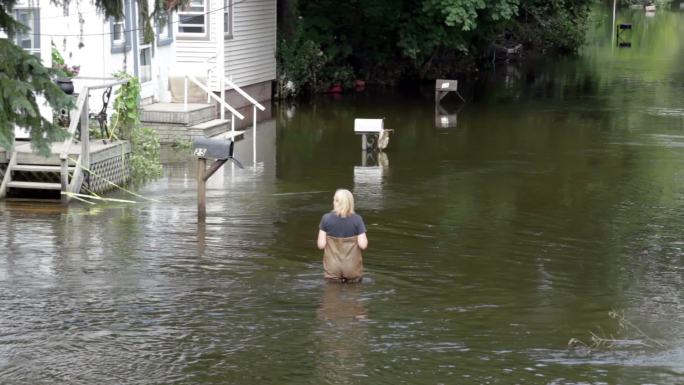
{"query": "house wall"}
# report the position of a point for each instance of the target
(250, 54)
(90, 47)
(195, 55)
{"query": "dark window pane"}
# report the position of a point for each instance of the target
(191, 29)
(192, 19)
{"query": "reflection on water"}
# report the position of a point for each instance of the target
(556, 199)
(368, 179)
(343, 333)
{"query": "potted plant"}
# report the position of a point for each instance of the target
(65, 73)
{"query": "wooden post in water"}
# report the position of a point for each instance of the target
(203, 175)
(201, 189)
(85, 135)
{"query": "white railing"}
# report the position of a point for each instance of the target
(209, 71)
(255, 105)
(224, 105)
(80, 117)
(223, 82)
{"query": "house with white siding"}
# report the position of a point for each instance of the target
(100, 46)
(234, 39)
(211, 40)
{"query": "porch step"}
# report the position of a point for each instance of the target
(211, 124)
(176, 113)
(215, 127)
(38, 168)
(35, 185)
(231, 135)
(31, 158)
(209, 128)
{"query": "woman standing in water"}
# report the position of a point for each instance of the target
(342, 236)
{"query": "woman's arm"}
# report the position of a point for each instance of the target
(322, 240)
(362, 240)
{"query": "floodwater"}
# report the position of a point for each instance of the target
(548, 210)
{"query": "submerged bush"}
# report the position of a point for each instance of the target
(145, 146)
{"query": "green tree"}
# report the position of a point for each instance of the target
(386, 40)
(23, 75)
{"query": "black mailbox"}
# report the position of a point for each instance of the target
(213, 148)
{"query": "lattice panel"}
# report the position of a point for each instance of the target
(110, 169)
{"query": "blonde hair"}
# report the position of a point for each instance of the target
(343, 203)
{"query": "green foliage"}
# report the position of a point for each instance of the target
(299, 63)
(145, 163)
(385, 40)
(556, 25)
(343, 75)
(125, 117)
(181, 144)
(22, 74)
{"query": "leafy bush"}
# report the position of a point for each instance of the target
(299, 64)
(145, 146)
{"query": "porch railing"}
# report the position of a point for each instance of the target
(73, 184)
(203, 87)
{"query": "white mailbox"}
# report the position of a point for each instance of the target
(370, 131)
(368, 126)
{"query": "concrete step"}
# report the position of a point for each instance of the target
(35, 185)
(208, 129)
(38, 168)
(231, 135)
(176, 113)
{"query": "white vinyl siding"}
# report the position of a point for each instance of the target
(250, 55)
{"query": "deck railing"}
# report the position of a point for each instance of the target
(80, 120)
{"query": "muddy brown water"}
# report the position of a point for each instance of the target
(555, 200)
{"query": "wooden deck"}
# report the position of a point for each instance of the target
(31, 175)
(98, 151)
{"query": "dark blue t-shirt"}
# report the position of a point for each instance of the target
(339, 227)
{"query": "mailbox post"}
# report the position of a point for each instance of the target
(219, 149)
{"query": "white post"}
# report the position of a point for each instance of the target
(223, 98)
(254, 119)
(232, 124)
(185, 93)
(612, 40)
(85, 134)
(220, 54)
(254, 134)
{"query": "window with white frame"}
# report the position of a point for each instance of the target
(145, 70)
(228, 18)
(192, 19)
(164, 30)
(29, 40)
(145, 54)
(118, 37)
(120, 30)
